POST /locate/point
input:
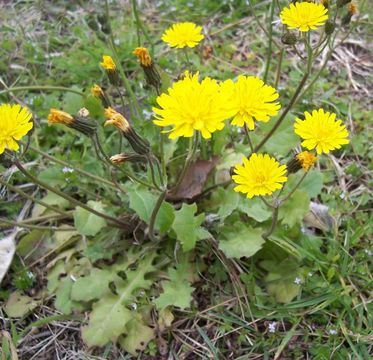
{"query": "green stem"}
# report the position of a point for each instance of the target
(269, 49)
(279, 65)
(273, 224)
(248, 138)
(60, 193)
(154, 214)
(193, 143)
(294, 189)
(33, 199)
(79, 171)
(140, 26)
(29, 226)
(41, 88)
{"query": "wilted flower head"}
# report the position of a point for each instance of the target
(108, 63)
(15, 122)
(143, 55)
(352, 8)
(180, 35)
(251, 99)
(321, 131)
(304, 16)
(192, 105)
(60, 117)
(97, 91)
(115, 118)
(259, 175)
(306, 159)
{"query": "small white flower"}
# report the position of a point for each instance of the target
(368, 252)
(133, 306)
(272, 327)
(310, 274)
(116, 41)
(66, 170)
(333, 332)
(297, 280)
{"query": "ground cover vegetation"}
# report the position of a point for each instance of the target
(186, 179)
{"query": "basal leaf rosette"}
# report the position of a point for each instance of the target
(185, 34)
(304, 16)
(192, 105)
(15, 122)
(251, 99)
(259, 175)
(321, 131)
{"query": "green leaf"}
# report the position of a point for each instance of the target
(226, 200)
(50, 199)
(245, 242)
(280, 281)
(19, 304)
(63, 301)
(143, 202)
(109, 316)
(187, 226)
(73, 102)
(87, 223)
(53, 176)
(93, 286)
(254, 208)
(294, 209)
(94, 106)
(138, 336)
(312, 183)
(177, 291)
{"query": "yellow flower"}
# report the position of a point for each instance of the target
(183, 34)
(59, 117)
(15, 122)
(322, 131)
(259, 175)
(97, 91)
(306, 159)
(108, 63)
(304, 16)
(115, 118)
(192, 105)
(352, 8)
(251, 99)
(143, 56)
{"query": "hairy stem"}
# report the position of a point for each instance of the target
(154, 214)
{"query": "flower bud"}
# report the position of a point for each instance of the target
(97, 91)
(346, 19)
(151, 73)
(121, 158)
(138, 144)
(329, 27)
(304, 160)
(81, 124)
(111, 69)
(289, 38)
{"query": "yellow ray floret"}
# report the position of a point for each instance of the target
(15, 122)
(143, 56)
(251, 99)
(192, 105)
(304, 16)
(321, 131)
(258, 176)
(108, 63)
(180, 35)
(306, 159)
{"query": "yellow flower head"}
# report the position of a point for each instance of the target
(183, 34)
(59, 117)
(15, 122)
(251, 99)
(304, 16)
(306, 159)
(143, 56)
(322, 131)
(108, 63)
(97, 91)
(115, 118)
(192, 105)
(259, 175)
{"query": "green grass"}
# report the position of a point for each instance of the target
(232, 314)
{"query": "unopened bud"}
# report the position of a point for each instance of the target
(346, 19)
(289, 38)
(121, 158)
(329, 27)
(98, 92)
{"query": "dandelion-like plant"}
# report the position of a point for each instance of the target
(321, 131)
(15, 122)
(180, 35)
(304, 16)
(251, 99)
(259, 175)
(191, 105)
